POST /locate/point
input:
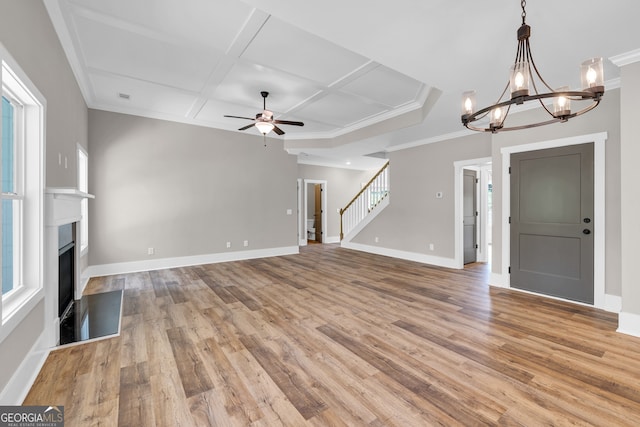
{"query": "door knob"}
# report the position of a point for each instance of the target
(587, 220)
(586, 231)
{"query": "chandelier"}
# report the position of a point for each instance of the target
(525, 75)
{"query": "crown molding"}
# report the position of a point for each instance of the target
(626, 58)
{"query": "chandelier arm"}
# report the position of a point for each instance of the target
(532, 63)
(506, 114)
(519, 52)
(545, 107)
(586, 109)
(502, 95)
(577, 95)
(529, 126)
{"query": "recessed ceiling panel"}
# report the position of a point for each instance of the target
(128, 54)
(340, 110)
(385, 86)
(244, 82)
(202, 22)
(284, 47)
(143, 96)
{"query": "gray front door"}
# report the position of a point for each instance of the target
(470, 212)
(552, 222)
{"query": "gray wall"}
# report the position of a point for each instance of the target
(27, 33)
(415, 217)
(630, 196)
(185, 190)
(342, 185)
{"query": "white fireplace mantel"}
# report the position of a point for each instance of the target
(62, 206)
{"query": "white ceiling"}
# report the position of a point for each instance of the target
(364, 76)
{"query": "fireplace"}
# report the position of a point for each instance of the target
(63, 282)
(66, 269)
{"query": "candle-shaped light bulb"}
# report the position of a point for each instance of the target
(519, 80)
(562, 101)
(496, 118)
(592, 76)
(468, 103)
(468, 106)
(519, 77)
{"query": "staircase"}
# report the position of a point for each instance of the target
(366, 205)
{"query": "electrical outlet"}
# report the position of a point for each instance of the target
(151, 251)
(228, 245)
(376, 239)
(246, 243)
(289, 212)
(431, 247)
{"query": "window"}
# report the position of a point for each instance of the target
(22, 194)
(12, 193)
(83, 185)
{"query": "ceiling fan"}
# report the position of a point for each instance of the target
(264, 121)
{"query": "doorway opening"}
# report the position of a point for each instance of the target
(313, 213)
(473, 211)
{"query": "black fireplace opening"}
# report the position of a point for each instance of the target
(66, 269)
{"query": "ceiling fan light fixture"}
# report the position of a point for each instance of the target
(264, 121)
(264, 127)
(267, 115)
(523, 84)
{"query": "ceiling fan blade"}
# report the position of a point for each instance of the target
(247, 127)
(239, 117)
(277, 130)
(288, 122)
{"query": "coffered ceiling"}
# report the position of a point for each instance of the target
(364, 76)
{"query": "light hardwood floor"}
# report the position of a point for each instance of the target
(333, 337)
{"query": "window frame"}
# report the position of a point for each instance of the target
(18, 303)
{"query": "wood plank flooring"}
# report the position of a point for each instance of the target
(333, 337)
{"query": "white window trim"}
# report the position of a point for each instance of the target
(17, 304)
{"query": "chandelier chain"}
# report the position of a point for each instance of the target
(523, 3)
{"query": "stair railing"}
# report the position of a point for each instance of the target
(365, 201)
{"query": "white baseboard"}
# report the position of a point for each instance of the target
(629, 323)
(497, 280)
(23, 378)
(394, 253)
(612, 303)
(84, 280)
(163, 263)
(332, 239)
